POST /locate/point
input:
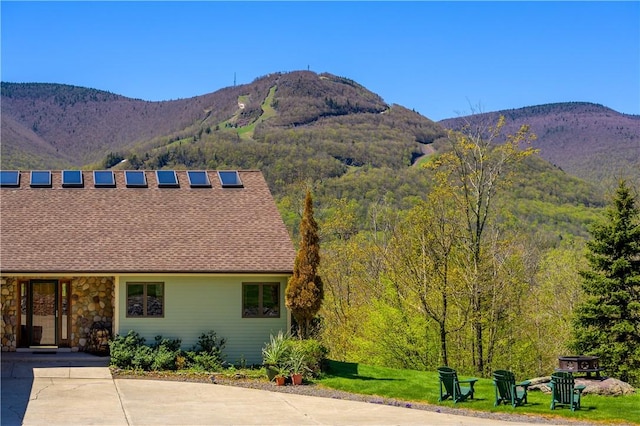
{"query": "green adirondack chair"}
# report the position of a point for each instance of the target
(564, 390)
(451, 384)
(507, 390)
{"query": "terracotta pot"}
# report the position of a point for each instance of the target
(296, 379)
(280, 380)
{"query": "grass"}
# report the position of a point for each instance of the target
(246, 132)
(422, 386)
(267, 109)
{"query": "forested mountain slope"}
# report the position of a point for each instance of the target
(586, 140)
(54, 126)
(83, 125)
(57, 124)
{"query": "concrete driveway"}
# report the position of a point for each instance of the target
(54, 394)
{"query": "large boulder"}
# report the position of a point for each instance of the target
(603, 386)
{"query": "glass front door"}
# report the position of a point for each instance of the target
(44, 313)
(43, 302)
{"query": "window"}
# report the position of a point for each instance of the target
(9, 178)
(41, 179)
(71, 178)
(198, 179)
(230, 179)
(145, 300)
(135, 178)
(104, 179)
(261, 300)
(167, 179)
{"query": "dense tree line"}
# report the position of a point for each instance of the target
(399, 294)
(404, 290)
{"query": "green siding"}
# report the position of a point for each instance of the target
(196, 304)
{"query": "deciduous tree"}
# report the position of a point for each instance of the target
(421, 264)
(551, 300)
(480, 163)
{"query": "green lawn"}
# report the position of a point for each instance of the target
(246, 132)
(422, 386)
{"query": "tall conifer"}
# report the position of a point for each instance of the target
(607, 323)
(305, 291)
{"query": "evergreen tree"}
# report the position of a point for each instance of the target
(607, 323)
(304, 291)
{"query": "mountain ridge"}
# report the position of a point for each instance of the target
(56, 125)
(587, 140)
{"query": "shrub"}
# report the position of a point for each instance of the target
(164, 359)
(312, 352)
(166, 352)
(275, 352)
(130, 352)
(284, 352)
(142, 358)
(203, 361)
(170, 344)
(181, 362)
(207, 354)
(123, 349)
(209, 343)
(297, 361)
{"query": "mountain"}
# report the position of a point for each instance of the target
(54, 124)
(586, 140)
(302, 128)
(58, 125)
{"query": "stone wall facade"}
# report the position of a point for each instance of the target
(9, 298)
(92, 302)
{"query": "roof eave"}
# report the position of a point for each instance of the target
(154, 272)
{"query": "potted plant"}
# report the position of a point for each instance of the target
(297, 364)
(281, 375)
(274, 354)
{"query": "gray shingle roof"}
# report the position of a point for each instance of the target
(127, 230)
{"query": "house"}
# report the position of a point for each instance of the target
(171, 253)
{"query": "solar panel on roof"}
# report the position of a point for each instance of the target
(167, 178)
(71, 178)
(198, 179)
(135, 178)
(103, 178)
(41, 178)
(9, 178)
(230, 179)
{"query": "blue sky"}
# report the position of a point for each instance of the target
(442, 59)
